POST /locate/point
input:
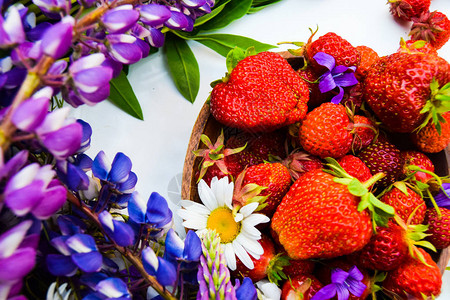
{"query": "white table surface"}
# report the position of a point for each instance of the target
(157, 145)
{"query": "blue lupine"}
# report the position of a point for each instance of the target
(187, 251)
(164, 270)
(120, 232)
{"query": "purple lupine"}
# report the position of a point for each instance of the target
(154, 14)
(57, 40)
(336, 76)
(156, 38)
(342, 284)
(11, 29)
(177, 20)
(193, 3)
(442, 198)
(78, 251)
(26, 50)
(120, 19)
(164, 271)
(123, 48)
(33, 190)
(13, 165)
(117, 173)
(32, 112)
(52, 6)
(120, 232)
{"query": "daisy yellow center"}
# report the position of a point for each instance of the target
(222, 221)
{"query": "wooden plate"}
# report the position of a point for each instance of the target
(206, 124)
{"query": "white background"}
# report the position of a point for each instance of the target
(157, 145)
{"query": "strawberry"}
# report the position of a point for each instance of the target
(415, 278)
(300, 287)
(416, 46)
(438, 227)
(355, 167)
(276, 180)
(300, 162)
(382, 156)
(298, 267)
(331, 43)
(408, 9)
(402, 89)
(429, 140)
(319, 218)
(433, 27)
(325, 131)
(316, 97)
(269, 264)
(364, 132)
(405, 201)
(418, 159)
(262, 93)
(385, 251)
(368, 58)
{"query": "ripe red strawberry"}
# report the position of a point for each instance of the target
(428, 138)
(368, 58)
(316, 97)
(400, 85)
(300, 287)
(405, 204)
(325, 131)
(419, 159)
(319, 218)
(385, 251)
(438, 227)
(382, 156)
(408, 9)
(433, 27)
(298, 267)
(355, 167)
(300, 162)
(415, 278)
(416, 46)
(364, 132)
(269, 264)
(276, 180)
(261, 94)
(331, 43)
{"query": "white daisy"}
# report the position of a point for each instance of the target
(236, 228)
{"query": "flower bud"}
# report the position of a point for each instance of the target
(120, 19)
(154, 14)
(57, 39)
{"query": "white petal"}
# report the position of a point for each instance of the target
(194, 206)
(250, 232)
(242, 255)
(270, 290)
(195, 224)
(239, 217)
(230, 256)
(207, 196)
(256, 219)
(250, 244)
(248, 209)
(187, 214)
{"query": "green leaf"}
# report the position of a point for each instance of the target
(232, 11)
(357, 188)
(224, 43)
(183, 67)
(214, 12)
(233, 57)
(260, 5)
(402, 187)
(122, 95)
(389, 210)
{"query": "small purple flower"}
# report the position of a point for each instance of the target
(52, 6)
(13, 165)
(78, 251)
(164, 271)
(177, 20)
(188, 250)
(123, 48)
(442, 198)
(193, 3)
(342, 283)
(120, 19)
(118, 173)
(31, 113)
(113, 288)
(57, 39)
(154, 14)
(156, 38)
(120, 232)
(336, 76)
(11, 29)
(25, 51)
(246, 290)
(155, 212)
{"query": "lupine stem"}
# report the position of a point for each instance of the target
(134, 260)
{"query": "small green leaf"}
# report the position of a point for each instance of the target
(122, 95)
(233, 57)
(183, 67)
(357, 188)
(260, 5)
(232, 11)
(214, 12)
(344, 181)
(389, 210)
(224, 43)
(402, 187)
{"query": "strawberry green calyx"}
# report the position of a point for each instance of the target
(380, 212)
(249, 193)
(438, 104)
(275, 269)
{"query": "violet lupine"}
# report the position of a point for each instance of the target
(124, 48)
(121, 233)
(78, 251)
(53, 7)
(32, 112)
(17, 257)
(442, 198)
(336, 76)
(120, 19)
(342, 284)
(57, 40)
(11, 29)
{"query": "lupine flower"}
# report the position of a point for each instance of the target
(342, 284)
(118, 173)
(62, 292)
(236, 229)
(442, 198)
(109, 288)
(13, 165)
(186, 252)
(31, 113)
(192, 3)
(268, 290)
(86, 137)
(120, 232)
(246, 290)
(11, 29)
(213, 275)
(17, 258)
(70, 225)
(59, 134)
(336, 76)
(90, 78)
(35, 33)
(57, 39)
(120, 19)
(154, 213)
(78, 251)
(177, 20)
(164, 271)
(33, 190)
(52, 7)
(123, 48)
(154, 14)
(156, 38)
(73, 175)
(26, 51)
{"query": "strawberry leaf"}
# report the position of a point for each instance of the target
(357, 188)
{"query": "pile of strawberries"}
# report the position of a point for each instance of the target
(343, 167)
